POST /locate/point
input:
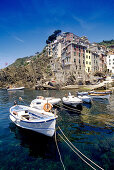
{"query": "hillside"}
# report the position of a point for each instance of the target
(20, 62)
(107, 43)
(26, 73)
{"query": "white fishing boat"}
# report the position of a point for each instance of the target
(85, 98)
(40, 101)
(33, 119)
(71, 100)
(15, 88)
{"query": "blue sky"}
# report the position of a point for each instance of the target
(26, 24)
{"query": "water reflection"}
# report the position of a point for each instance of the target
(88, 105)
(105, 101)
(38, 144)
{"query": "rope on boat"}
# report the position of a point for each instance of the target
(72, 146)
(59, 151)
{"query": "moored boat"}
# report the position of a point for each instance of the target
(82, 93)
(40, 101)
(33, 119)
(100, 92)
(71, 100)
(99, 96)
(15, 88)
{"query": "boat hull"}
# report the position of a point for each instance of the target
(45, 128)
(72, 104)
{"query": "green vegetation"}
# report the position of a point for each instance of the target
(52, 37)
(20, 62)
(107, 43)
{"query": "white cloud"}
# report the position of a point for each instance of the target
(84, 24)
(19, 39)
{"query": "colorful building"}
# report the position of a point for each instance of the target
(88, 60)
(110, 63)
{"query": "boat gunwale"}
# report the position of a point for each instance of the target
(43, 121)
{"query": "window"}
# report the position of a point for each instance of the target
(74, 60)
(88, 69)
(79, 54)
(86, 62)
(89, 63)
(74, 53)
(79, 61)
(80, 67)
(89, 57)
(86, 56)
(76, 67)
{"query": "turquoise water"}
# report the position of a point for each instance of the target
(91, 132)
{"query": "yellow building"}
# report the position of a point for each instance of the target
(88, 61)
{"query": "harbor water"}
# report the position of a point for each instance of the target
(91, 131)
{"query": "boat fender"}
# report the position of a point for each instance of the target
(47, 107)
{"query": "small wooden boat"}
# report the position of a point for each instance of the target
(14, 88)
(33, 119)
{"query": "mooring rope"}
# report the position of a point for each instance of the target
(78, 151)
(59, 151)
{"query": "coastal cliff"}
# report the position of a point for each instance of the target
(26, 71)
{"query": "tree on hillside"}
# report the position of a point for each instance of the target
(53, 36)
(107, 43)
